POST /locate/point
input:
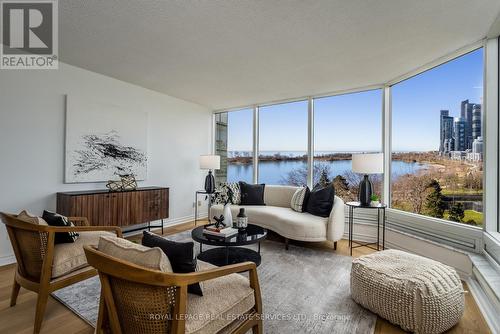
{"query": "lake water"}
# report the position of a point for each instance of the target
(274, 172)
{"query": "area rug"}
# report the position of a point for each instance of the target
(303, 291)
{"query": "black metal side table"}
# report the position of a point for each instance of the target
(209, 196)
(380, 213)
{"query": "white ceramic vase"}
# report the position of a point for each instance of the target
(228, 216)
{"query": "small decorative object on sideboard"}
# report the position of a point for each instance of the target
(128, 182)
(114, 185)
(241, 220)
(375, 200)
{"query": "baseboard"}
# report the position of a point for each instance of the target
(6, 260)
(487, 308)
(169, 223)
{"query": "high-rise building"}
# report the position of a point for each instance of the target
(459, 134)
(446, 130)
(466, 113)
(476, 121)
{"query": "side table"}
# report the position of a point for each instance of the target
(380, 214)
(209, 196)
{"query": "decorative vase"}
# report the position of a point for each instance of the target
(241, 220)
(228, 216)
(375, 203)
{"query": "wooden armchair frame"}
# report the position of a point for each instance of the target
(112, 270)
(34, 250)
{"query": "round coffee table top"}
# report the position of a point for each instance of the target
(251, 235)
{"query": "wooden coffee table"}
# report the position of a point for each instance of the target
(229, 251)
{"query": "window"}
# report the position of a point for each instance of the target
(345, 124)
(437, 142)
(283, 143)
(234, 143)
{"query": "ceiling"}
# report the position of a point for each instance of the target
(232, 53)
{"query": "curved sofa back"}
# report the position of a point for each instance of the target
(279, 195)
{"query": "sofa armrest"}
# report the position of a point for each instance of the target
(336, 221)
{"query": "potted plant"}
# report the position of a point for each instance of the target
(375, 200)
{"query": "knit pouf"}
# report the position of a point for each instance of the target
(419, 294)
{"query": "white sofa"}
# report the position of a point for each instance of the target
(277, 216)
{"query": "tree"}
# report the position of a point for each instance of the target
(457, 213)
(342, 188)
(324, 179)
(434, 202)
(410, 192)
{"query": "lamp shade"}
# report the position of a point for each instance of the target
(209, 162)
(368, 163)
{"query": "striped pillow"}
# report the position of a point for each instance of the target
(299, 199)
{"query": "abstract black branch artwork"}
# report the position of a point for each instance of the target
(104, 151)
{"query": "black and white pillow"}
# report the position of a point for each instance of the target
(221, 193)
(299, 199)
(55, 219)
(235, 188)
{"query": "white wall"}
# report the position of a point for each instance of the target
(32, 127)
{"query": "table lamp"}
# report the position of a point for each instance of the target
(367, 163)
(210, 162)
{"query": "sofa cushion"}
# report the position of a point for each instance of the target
(180, 255)
(320, 202)
(252, 194)
(143, 256)
(69, 257)
(27, 217)
(284, 221)
(299, 199)
(279, 195)
(224, 299)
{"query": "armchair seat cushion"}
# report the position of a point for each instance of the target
(69, 257)
(224, 299)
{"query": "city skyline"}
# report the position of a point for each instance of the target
(416, 104)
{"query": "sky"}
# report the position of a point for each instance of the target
(353, 122)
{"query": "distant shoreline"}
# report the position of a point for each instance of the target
(420, 157)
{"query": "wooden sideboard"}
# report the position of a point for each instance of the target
(125, 208)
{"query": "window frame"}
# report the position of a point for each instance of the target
(414, 217)
(462, 236)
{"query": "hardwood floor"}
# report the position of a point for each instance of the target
(59, 319)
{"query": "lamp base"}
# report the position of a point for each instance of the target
(365, 191)
(210, 183)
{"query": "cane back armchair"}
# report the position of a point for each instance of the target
(35, 250)
(136, 299)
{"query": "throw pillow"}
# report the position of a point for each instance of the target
(320, 202)
(235, 188)
(221, 192)
(180, 255)
(123, 249)
(27, 217)
(55, 219)
(252, 194)
(299, 199)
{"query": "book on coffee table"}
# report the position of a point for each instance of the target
(222, 233)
